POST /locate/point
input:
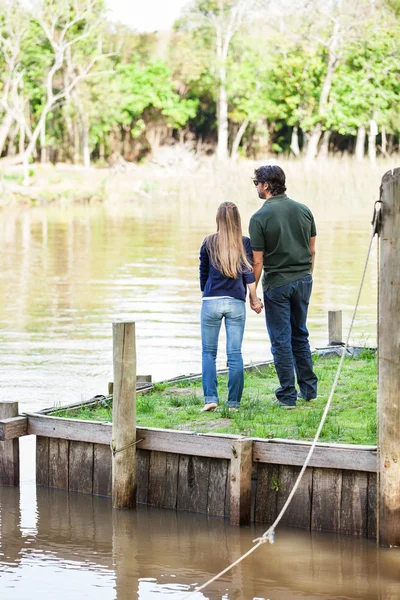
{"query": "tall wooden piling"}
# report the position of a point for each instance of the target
(240, 490)
(9, 449)
(335, 335)
(123, 443)
(389, 363)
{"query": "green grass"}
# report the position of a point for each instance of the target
(351, 419)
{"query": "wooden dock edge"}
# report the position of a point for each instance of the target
(288, 452)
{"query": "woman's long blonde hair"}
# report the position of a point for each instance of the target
(225, 247)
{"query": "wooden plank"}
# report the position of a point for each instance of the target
(69, 429)
(372, 506)
(266, 493)
(80, 474)
(228, 492)
(9, 449)
(298, 513)
(102, 470)
(13, 427)
(241, 470)
(328, 457)
(193, 481)
(171, 480)
(335, 334)
(388, 361)
(217, 487)
(124, 416)
(326, 499)
(353, 510)
(58, 463)
(333, 456)
(42, 460)
(142, 475)
(157, 470)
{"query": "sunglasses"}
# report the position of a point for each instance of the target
(256, 182)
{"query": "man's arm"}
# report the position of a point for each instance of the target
(258, 257)
(312, 250)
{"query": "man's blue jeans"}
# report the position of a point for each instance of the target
(212, 313)
(286, 315)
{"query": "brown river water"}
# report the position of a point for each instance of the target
(66, 274)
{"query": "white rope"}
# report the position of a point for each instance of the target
(269, 535)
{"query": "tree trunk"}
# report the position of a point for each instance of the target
(5, 130)
(294, 142)
(238, 138)
(373, 132)
(313, 140)
(22, 138)
(384, 142)
(85, 141)
(360, 144)
(222, 148)
(324, 150)
(43, 149)
(76, 157)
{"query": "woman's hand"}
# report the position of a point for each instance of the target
(256, 305)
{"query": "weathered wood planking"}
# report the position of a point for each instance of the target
(13, 427)
(241, 471)
(266, 493)
(9, 449)
(334, 456)
(80, 467)
(372, 506)
(58, 463)
(142, 475)
(217, 487)
(102, 485)
(298, 513)
(193, 480)
(354, 503)
(42, 460)
(326, 499)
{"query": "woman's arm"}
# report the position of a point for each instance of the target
(255, 302)
(204, 267)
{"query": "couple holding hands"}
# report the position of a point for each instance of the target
(282, 244)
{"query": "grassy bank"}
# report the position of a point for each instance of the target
(352, 418)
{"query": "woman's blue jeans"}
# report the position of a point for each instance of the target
(286, 310)
(212, 313)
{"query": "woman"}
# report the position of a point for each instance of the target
(225, 271)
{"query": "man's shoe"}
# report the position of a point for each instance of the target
(301, 397)
(283, 405)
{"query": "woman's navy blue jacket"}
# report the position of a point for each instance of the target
(214, 283)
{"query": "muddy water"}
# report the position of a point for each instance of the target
(69, 546)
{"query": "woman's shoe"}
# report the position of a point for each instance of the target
(209, 406)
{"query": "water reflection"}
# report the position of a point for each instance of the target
(83, 549)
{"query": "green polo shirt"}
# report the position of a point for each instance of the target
(282, 229)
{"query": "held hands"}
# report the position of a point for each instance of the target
(256, 305)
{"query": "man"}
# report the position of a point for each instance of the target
(282, 235)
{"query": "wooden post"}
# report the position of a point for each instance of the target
(335, 334)
(9, 449)
(388, 363)
(241, 468)
(124, 416)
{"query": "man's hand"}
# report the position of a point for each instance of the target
(256, 305)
